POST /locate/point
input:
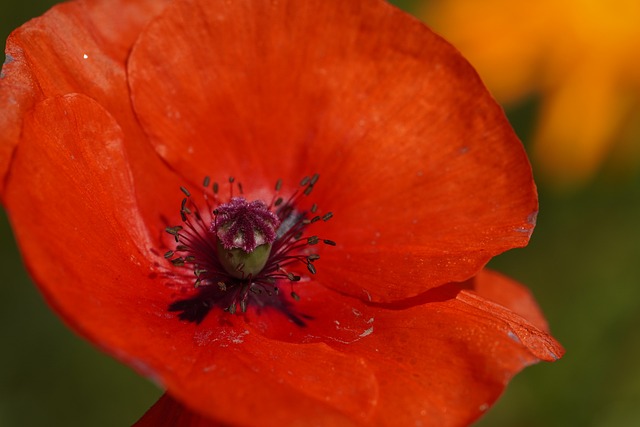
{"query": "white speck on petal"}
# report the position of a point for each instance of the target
(513, 336)
(367, 332)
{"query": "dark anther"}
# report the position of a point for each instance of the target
(206, 181)
(329, 242)
(173, 230)
(185, 191)
(293, 277)
(327, 216)
(311, 268)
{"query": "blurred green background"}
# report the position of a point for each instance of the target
(582, 265)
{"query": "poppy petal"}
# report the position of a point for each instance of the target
(265, 90)
(168, 412)
(81, 47)
(78, 46)
(78, 247)
(442, 361)
(441, 358)
(446, 363)
(72, 152)
(500, 289)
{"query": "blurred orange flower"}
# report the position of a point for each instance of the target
(581, 57)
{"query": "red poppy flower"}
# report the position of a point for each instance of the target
(381, 315)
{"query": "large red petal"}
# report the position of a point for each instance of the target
(500, 289)
(80, 47)
(441, 360)
(71, 202)
(168, 412)
(72, 205)
(446, 363)
(422, 170)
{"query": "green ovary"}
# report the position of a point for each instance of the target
(241, 264)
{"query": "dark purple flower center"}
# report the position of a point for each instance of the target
(242, 252)
(244, 225)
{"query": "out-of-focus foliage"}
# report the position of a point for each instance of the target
(581, 264)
